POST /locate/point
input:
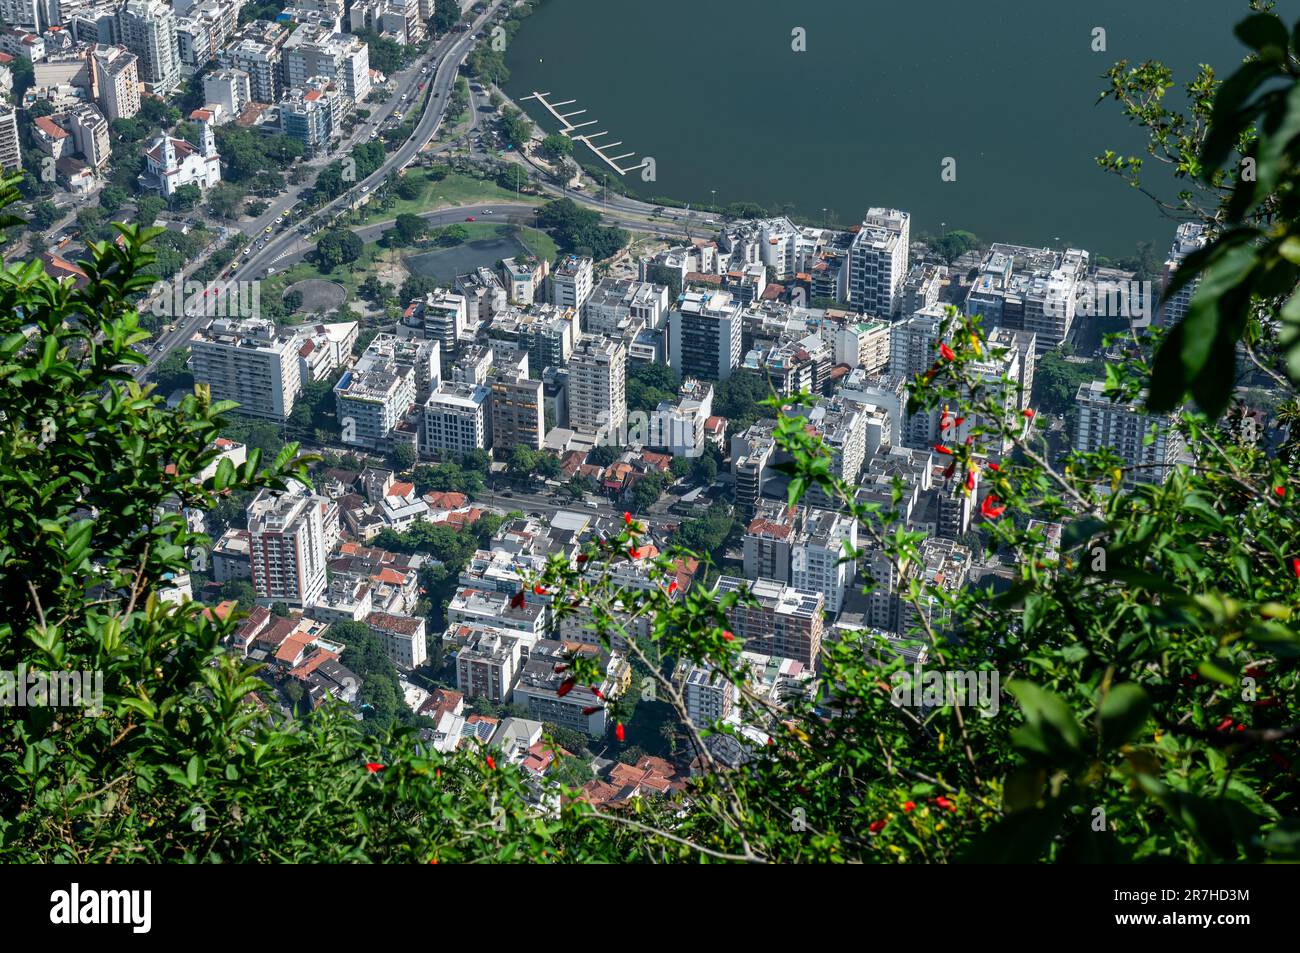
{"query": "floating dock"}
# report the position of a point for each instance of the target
(569, 129)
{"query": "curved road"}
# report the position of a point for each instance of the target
(450, 52)
(289, 245)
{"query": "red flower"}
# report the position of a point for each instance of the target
(944, 803)
(634, 553)
(490, 763)
(952, 468)
(539, 589)
(566, 687)
(959, 421)
(592, 710)
(940, 448)
(597, 692)
(560, 667)
(728, 636)
(373, 766)
(970, 479)
(518, 601)
(947, 353)
(909, 806)
(995, 467)
(618, 731)
(1029, 413)
(672, 586)
(1224, 725)
(582, 557)
(627, 518)
(1241, 727)
(876, 827)
(1295, 567)
(434, 860)
(989, 508)
(1280, 490)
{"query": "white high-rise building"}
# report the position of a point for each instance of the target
(372, 398)
(878, 262)
(571, 282)
(598, 386)
(248, 362)
(117, 81)
(314, 50)
(148, 29)
(231, 89)
(288, 546)
(456, 420)
(1124, 429)
(817, 557)
(1190, 237)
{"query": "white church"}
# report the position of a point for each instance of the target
(173, 163)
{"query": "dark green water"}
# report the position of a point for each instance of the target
(712, 90)
(445, 264)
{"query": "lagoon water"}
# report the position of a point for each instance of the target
(885, 91)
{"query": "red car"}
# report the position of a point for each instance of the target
(469, 218)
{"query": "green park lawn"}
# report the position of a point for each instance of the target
(455, 189)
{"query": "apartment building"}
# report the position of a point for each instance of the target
(314, 50)
(457, 420)
(842, 425)
(540, 690)
(598, 387)
(1029, 289)
(943, 565)
(116, 77)
(518, 412)
(148, 29)
(678, 426)
(523, 276)
(877, 262)
(402, 636)
(820, 557)
(288, 546)
(230, 89)
(786, 622)
(864, 344)
(89, 131)
(10, 152)
(1124, 429)
(571, 282)
(258, 50)
(487, 663)
(440, 315)
(1190, 237)
(249, 362)
(616, 305)
(372, 398)
(769, 541)
(704, 335)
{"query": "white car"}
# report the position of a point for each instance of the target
(424, 69)
(487, 211)
(365, 188)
